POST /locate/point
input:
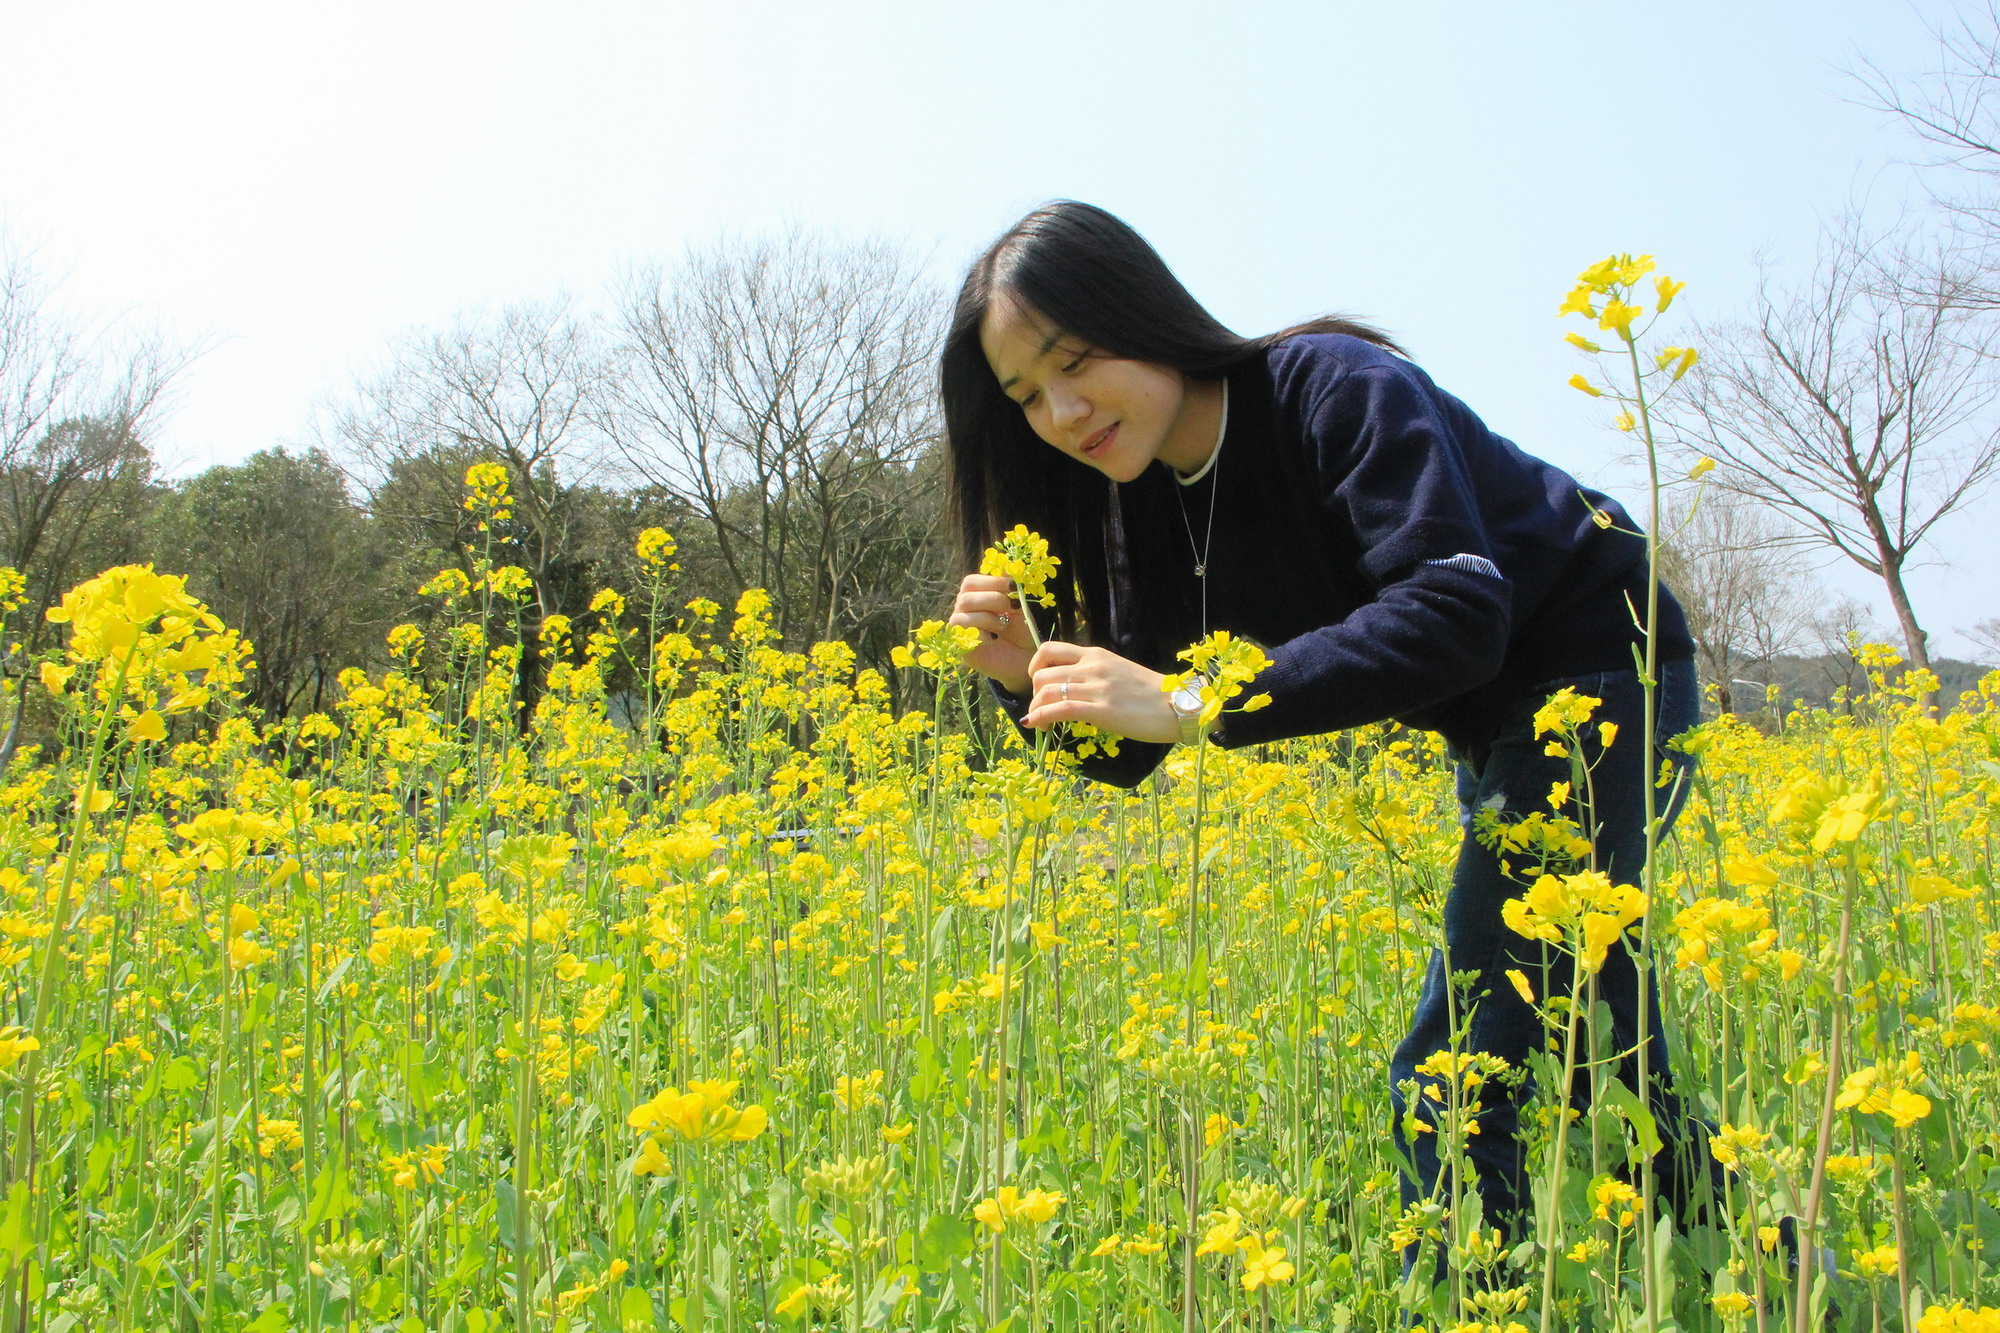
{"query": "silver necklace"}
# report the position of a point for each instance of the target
(1200, 551)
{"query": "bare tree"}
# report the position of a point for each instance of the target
(1854, 404)
(1744, 584)
(73, 406)
(1954, 107)
(511, 388)
(1985, 637)
(1838, 633)
(782, 389)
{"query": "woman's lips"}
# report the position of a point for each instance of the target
(1096, 444)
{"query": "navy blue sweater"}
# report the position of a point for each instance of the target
(1344, 476)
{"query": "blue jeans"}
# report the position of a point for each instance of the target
(1513, 775)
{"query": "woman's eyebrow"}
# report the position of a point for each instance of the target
(1055, 336)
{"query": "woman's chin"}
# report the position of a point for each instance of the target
(1119, 469)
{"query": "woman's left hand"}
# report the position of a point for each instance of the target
(1077, 684)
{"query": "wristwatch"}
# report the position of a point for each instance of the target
(1186, 703)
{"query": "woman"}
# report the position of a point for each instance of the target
(1314, 491)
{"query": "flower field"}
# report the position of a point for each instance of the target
(628, 972)
(752, 1005)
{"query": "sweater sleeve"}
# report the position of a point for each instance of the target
(1127, 768)
(1384, 454)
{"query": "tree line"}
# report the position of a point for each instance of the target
(767, 402)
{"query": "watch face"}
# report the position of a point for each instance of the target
(1186, 699)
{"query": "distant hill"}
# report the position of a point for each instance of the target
(1815, 680)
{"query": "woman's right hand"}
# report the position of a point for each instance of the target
(986, 603)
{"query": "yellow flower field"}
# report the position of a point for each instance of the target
(675, 981)
(807, 1015)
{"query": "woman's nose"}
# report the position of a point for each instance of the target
(1065, 408)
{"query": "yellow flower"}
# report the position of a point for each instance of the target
(1666, 289)
(1883, 1089)
(1616, 1200)
(851, 1094)
(1039, 1205)
(248, 953)
(655, 548)
(1010, 1205)
(1845, 818)
(1585, 911)
(1519, 981)
(1262, 1266)
(701, 1114)
(1882, 1261)
(1221, 1237)
(15, 1043)
(1905, 1108)
(1617, 318)
(487, 483)
(1023, 556)
(1729, 1143)
(987, 1212)
(652, 1160)
(1109, 1245)
(1577, 381)
(1958, 1318)
(1577, 339)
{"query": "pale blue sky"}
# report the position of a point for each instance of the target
(302, 181)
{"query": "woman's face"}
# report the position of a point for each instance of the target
(1114, 415)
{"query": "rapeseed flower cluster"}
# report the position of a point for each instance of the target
(1584, 913)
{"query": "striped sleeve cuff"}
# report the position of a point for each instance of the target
(1471, 564)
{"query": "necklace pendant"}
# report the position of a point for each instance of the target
(1201, 571)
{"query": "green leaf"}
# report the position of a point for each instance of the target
(275, 1319)
(636, 1307)
(882, 1301)
(929, 1069)
(946, 1237)
(503, 1191)
(97, 1166)
(17, 1241)
(182, 1074)
(329, 1198)
(1636, 1112)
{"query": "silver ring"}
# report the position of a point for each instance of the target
(1005, 620)
(1065, 689)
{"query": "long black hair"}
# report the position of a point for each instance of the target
(1094, 278)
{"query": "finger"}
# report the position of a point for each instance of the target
(1055, 653)
(1055, 677)
(1050, 691)
(1060, 710)
(991, 602)
(985, 583)
(985, 622)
